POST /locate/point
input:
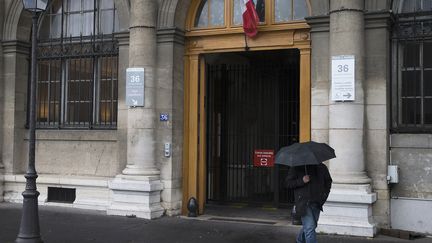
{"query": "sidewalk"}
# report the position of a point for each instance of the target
(61, 225)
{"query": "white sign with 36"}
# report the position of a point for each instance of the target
(135, 87)
(343, 78)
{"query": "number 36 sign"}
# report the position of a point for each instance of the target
(343, 78)
(135, 87)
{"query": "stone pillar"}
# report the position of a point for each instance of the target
(15, 80)
(137, 190)
(123, 109)
(170, 100)
(2, 13)
(348, 209)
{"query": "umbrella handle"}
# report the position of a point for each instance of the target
(309, 189)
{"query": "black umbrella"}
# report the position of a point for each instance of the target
(307, 153)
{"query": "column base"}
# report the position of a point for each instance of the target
(137, 196)
(1, 187)
(350, 178)
(1, 183)
(134, 170)
(348, 211)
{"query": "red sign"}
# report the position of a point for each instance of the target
(264, 157)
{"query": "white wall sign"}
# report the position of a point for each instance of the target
(135, 87)
(342, 78)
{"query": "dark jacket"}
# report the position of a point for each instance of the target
(315, 191)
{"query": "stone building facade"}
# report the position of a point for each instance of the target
(150, 160)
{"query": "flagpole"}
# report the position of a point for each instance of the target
(246, 44)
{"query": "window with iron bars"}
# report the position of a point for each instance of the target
(78, 65)
(412, 67)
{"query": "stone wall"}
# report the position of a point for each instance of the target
(77, 153)
(74, 153)
(62, 152)
(170, 100)
(320, 83)
(15, 103)
(412, 153)
(411, 197)
(376, 104)
(2, 13)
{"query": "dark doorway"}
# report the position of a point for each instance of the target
(252, 103)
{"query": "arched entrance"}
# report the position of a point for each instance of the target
(209, 37)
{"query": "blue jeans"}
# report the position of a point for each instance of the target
(310, 221)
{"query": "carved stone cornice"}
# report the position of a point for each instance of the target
(170, 35)
(122, 37)
(378, 19)
(319, 23)
(16, 46)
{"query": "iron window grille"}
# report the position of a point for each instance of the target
(78, 66)
(412, 70)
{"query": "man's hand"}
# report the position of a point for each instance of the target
(306, 178)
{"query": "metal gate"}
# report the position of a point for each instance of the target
(250, 105)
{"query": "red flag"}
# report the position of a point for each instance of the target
(250, 19)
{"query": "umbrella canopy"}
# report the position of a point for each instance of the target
(307, 153)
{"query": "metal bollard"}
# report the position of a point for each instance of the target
(192, 206)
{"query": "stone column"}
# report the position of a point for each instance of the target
(137, 190)
(348, 209)
(2, 13)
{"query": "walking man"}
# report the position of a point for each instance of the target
(311, 184)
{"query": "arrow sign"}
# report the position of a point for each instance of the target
(343, 78)
(135, 87)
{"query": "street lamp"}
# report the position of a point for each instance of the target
(29, 228)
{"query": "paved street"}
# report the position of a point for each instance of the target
(60, 225)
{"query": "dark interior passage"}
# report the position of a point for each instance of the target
(252, 104)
